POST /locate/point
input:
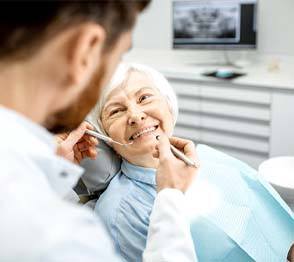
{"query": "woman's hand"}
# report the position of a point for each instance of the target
(173, 172)
(76, 145)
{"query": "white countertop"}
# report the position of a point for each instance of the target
(260, 73)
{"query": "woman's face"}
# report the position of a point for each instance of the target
(137, 113)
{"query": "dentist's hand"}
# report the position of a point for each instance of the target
(76, 145)
(173, 172)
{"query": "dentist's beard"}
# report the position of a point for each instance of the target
(71, 117)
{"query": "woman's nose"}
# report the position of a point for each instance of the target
(136, 118)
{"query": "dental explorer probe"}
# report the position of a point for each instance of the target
(181, 155)
(174, 150)
(105, 138)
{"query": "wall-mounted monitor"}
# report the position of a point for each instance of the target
(214, 24)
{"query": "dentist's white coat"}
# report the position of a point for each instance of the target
(36, 224)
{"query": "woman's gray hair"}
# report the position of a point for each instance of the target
(120, 78)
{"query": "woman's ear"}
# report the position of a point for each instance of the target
(84, 53)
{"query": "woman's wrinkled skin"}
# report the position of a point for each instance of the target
(137, 112)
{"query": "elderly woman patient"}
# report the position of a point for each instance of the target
(234, 215)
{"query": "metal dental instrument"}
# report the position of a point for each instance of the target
(181, 155)
(105, 138)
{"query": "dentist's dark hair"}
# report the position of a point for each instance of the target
(25, 25)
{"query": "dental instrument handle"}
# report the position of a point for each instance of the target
(98, 135)
(182, 156)
(105, 138)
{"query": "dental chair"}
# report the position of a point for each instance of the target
(98, 174)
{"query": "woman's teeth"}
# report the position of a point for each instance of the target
(142, 132)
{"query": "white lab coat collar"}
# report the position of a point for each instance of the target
(20, 135)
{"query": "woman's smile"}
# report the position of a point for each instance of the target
(144, 133)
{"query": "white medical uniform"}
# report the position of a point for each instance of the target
(36, 224)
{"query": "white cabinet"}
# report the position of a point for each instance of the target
(248, 122)
(282, 124)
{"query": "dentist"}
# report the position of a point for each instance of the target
(54, 58)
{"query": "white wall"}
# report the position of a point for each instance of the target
(275, 25)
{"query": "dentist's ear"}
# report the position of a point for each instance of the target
(84, 53)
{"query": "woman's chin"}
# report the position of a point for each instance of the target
(144, 146)
(146, 149)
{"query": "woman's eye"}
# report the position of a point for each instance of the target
(115, 111)
(143, 97)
